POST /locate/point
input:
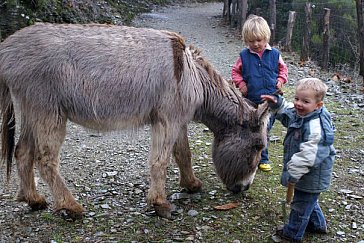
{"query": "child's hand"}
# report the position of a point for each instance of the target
(279, 85)
(269, 98)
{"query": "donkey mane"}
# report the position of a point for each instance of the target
(216, 79)
(213, 77)
(231, 103)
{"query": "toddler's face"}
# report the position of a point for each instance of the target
(257, 45)
(305, 102)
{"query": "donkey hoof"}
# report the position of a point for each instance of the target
(40, 205)
(194, 187)
(69, 215)
(163, 210)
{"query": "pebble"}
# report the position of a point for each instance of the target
(105, 206)
(345, 191)
(192, 213)
(340, 233)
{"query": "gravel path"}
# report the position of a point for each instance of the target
(109, 173)
(201, 25)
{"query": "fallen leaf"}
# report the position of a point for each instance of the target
(347, 80)
(227, 206)
(302, 63)
(336, 77)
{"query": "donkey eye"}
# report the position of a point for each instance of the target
(259, 147)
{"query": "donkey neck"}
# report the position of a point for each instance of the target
(219, 110)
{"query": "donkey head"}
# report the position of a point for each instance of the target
(237, 149)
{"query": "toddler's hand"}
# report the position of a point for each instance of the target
(269, 98)
(279, 85)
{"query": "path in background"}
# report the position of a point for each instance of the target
(202, 26)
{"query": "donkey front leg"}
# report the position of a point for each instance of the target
(163, 138)
(182, 154)
(50, 139)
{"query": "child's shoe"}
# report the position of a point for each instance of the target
(265, 167)
(279, 233)
(317, 231)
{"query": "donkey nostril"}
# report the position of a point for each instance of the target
(235, 188)
(245, 188)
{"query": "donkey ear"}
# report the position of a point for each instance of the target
(262, 111)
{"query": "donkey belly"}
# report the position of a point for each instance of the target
(110, 124)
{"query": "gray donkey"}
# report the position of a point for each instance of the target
(112, 77)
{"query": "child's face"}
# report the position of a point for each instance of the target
(257, 45)
(305, 102)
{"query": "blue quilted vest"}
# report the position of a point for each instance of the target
(260, 73)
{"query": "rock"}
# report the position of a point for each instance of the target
(345, 191)
(340, 233)
(105, 206)
(352, 196)
(192, 213)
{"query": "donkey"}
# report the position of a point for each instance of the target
(108, 78)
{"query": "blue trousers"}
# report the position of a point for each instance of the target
(305, 213)
(264, 159)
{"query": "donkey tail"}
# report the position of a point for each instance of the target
(7, 127)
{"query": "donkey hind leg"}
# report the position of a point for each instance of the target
(49, 140)
(24, 155)
(182, 154)
(163, 138)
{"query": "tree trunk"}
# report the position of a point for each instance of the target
(272, 20)
(305, 50)
(359, 14)
(243, 12)
(226, 11)
(234, 13)
(290, 25)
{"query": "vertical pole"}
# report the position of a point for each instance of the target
(272, 20)
(305, 50)
(243, 12)
(225, 10)
(325, 40)
(359, 14)
(291, 20)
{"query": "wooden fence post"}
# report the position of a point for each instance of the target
(290, 25)
(272, 20)
(305, 50)
(325, 40)
(359, 14)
